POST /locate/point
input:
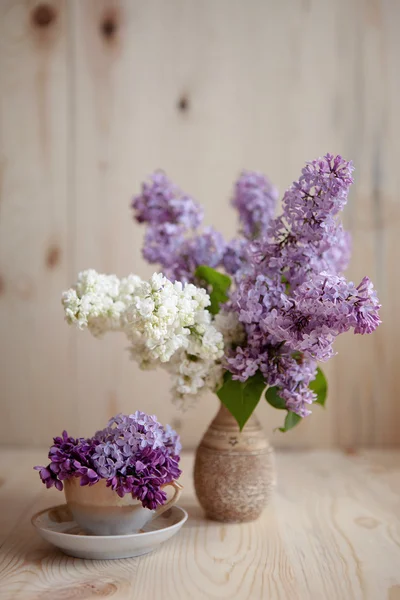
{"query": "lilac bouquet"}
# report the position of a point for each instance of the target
(277, 293)
(241, 316)
(135, 454)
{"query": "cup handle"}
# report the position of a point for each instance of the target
(177, 492)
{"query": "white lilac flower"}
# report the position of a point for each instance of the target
(208, 344)
(192, 376)
(167, 324)
(171, 316)
(98, 301)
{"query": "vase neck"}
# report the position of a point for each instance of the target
(224, 418)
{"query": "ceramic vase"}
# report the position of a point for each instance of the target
(234, 471)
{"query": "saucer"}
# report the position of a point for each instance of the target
(57, 526)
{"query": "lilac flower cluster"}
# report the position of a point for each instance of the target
(255, 199)
(69, 457)
(306, 238)
(173, 239)
(135, 454)
(235, 259)
(294, 302)
(289, 291)
(162, 202)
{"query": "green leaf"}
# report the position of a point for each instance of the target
(219, 284)
(273, 398)
(287, 284)
(320, 387)
(241, 398)
(298, 356)
(292, 419)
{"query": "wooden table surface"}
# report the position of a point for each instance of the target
(332, 532)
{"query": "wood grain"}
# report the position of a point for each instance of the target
(34, 219)
(96, 94)
(332, 531)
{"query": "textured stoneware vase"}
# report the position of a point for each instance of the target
(234, 471)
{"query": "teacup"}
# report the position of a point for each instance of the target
(98, 510)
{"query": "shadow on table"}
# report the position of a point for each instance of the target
(196, 514)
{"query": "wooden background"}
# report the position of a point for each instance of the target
(94, 95)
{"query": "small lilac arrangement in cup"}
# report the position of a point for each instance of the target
(238, 317)
(134, 454)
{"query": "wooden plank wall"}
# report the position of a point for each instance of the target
(96, 94)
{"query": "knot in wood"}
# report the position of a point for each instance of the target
(43, 15)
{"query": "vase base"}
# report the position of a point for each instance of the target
(232, 521)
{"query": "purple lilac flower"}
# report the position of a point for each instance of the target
(49, 478)
(134, 453)
(336, 257)
(206, 248)
(366, 306)
(138, 430)
(294, 301)
(138, 455)
(289, 293)
(145, 476)
(171, 239)
(108, 459)
(320, 310)
(280, 367)
(163, 202)
(319, 194)
(306, 239)
(255, 198)
(163, 244)
(69, 457)
(170, 215)
(298, 399)
(236, 259)
(172, 440)
(281, 328)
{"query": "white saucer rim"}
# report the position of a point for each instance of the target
(125, 536)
